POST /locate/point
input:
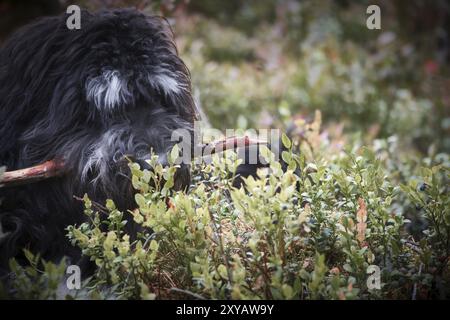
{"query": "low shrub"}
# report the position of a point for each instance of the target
(311, 233)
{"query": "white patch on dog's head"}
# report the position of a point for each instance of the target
(100, 154)
(110, 90)
(107, 90)
(108, 149)
(166, 84)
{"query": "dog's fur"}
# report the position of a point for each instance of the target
(89, 97)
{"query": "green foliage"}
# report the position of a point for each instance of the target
(38, 280)
(270, 69)
(308, 234)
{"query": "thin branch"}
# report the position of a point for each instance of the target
(48, 169)
(54, 168)
(229, 143)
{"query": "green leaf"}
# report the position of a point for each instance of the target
(286, 141)
(174, 154)
(110, 205)
(140, 200)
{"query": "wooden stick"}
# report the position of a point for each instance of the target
(54, 168)
(39, 172)
(228, 144)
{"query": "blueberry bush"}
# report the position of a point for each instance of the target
(366, 190)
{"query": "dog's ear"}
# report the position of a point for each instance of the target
(172, 78)
(174, 88)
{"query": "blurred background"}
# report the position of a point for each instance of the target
(273, 63)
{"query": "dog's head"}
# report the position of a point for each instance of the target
(132, 59)
(115, 87)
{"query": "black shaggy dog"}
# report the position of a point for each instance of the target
(89, 97)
